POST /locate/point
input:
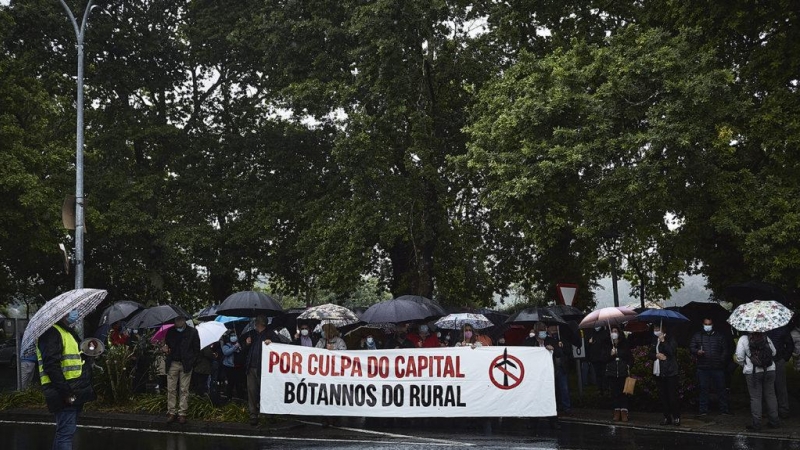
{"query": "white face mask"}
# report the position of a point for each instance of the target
(614, 335)
(708, 328)
(532, 334)
(542, 334)
(304, 332)
(370, 341)
(657, 333)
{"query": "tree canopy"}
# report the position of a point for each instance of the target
(451, 149)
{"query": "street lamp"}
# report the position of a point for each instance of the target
(79, 200)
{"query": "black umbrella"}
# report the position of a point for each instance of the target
(698, 311)
(396, 311)
(535, 314)
(567, 312)
(755, 290)
(155, 316)
(119, 311)
(434, 307)
(207, 313)
(249, 304)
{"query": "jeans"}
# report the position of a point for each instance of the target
(175, 374)
(707, 378)
(668, 395)
(66, 424)
(562, 391)
(761, 386)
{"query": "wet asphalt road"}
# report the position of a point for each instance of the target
(571, 436)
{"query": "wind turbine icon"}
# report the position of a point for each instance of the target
(505, 362)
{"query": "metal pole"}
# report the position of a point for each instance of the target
(79, 198)
(614, 281)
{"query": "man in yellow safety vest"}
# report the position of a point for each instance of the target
(65, 381)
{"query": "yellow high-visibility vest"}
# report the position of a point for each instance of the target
(71, 362)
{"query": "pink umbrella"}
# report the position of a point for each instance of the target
(613, 315)
(162, 332)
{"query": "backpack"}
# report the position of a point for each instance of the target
(760, 353)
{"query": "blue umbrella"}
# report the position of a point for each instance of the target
(226, 319)
(661, 316)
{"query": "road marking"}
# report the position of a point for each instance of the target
(446, 442)
(434, 442)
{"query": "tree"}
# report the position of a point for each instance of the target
(598, 139)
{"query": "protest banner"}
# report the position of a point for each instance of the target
(436, 382)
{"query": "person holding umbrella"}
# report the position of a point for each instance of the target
(755, 353)
(66, 383)
(254, 349)
(664, 353)
(331, 339)
(539, 337)
(182, 348)
(617, 364)
(712, 352)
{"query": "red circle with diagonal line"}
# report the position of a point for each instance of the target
(506, 371)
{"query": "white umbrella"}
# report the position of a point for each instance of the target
(83, 301)
(210, 332)
(457, 320)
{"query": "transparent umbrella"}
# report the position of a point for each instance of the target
(83, 301)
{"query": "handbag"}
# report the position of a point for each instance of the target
(630, 385)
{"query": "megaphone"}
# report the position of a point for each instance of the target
(92, 347)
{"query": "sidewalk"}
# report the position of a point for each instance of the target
(712, 424)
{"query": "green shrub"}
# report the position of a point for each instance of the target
(646, 395)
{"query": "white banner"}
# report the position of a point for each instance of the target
(436, 382)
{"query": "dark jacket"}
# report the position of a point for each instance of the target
(203, 364)
(558, 352)
(595, 350)
(782, 340)
(715, 348)
(668, 367)
(187, 343)
(617, 365)
(254, 349)
(60, 389)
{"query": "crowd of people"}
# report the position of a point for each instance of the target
(230, 368)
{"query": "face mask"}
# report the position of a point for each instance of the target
(180, 329)
(72, 317)
(597, 328)
(542, 334)
(614, 335)
(370, 341)
(657, 333)
(324, 336)
(234, 339)
(708, 328)
(468, 335)
(531, 335)
(304, 332)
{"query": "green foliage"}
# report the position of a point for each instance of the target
(113, 380)
(22, 399)
(646, 395)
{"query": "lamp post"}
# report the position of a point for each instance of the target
(79, 200)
